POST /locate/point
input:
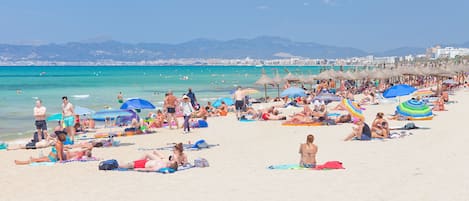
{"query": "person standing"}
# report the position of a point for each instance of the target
(120, 98)
(68, 114)
(170, 103)
(187, 111)
(40, 120)
(239, 101)
(191, 95)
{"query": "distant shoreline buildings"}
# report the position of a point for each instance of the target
(433, 53)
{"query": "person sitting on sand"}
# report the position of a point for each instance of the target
(379, 127)
(439, 104)
(58, 154)
(178, 155)
(321, 114)
(149, 162)
(202, 112)
(222, 110)
(361, 132)
(308, 152)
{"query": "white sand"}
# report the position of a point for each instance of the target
(430, 165)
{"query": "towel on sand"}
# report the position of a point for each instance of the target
(329, 165)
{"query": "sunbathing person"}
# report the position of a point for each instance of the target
(179, 155)
(222, 110)
(201, 113)
(321, 114)
(308, 152)
(273, 116)
(41, 144)
(379, 127)
(153, 161)
(58, 154)
(346, 118)
(361, 132)
(439, 104)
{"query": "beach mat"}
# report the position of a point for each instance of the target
(162, 171)
(329, 165)
(187, 147)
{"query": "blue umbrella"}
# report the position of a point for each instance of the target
(83, 110)
(112, 114)
(228, 101)
(399, 90)
(137, 103)
(327, 97)
(293, 92)
(55, 117)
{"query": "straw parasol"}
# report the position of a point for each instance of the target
(277, 81)
(264, 80)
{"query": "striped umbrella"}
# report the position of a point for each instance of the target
(353, 109)
(423, 92)
(414, 109)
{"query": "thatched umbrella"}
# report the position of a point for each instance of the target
(277, 80)
(264, 80)
(290, 77)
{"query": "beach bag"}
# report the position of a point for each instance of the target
(202, 123)
(201, 162)
(200, 144)
(108, 165)
(409, 126)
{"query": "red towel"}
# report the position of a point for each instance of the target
(330, 165)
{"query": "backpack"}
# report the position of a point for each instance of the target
(410, 125)
(201, 162)
(108, 165)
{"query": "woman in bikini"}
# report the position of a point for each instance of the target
(308, 152)
(179, 155)
(379, 127)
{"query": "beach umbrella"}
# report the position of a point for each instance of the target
(228, 101)
(55, 117)
(112, 114)
(83, 110)
(293, 92)
(423, 92)
(264, 80)
(399, 90)
(417, 110)
(327, 97)
(277, 80)
(353, 108)
(137, 103)
(249, 91)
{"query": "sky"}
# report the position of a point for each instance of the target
(371, 25)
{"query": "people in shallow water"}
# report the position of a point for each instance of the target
(308, 152)
(120, 98)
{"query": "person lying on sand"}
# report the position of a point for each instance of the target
(273, 116)
(308, 152)
(58, 154)
(346, 118)
(150, 162)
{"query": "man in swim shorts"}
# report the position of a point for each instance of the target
(40, 117)
(170, 103)
(68, 114)
(151, 162)
(239, 101)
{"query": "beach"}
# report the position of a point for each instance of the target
(427, 165)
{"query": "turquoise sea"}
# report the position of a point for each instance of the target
(96, 87)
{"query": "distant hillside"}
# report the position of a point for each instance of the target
(402, 51)
(260, 47)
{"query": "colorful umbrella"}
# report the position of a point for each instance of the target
(137, 103)
(353, 109)
(112, 114)
(228, 101)
(293, 92)
(423, 92)
(414, 109)
(399, 90)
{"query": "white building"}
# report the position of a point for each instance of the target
(451, 52)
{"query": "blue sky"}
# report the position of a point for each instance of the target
(371, 25)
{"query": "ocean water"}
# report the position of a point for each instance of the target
(97, 87)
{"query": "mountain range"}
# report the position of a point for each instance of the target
(264, 47)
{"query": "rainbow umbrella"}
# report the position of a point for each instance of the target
(353, 109)
(423, 92)
(414, 109)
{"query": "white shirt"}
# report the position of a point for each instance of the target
(187, 108)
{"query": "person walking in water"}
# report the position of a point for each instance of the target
(170, 103)
(239, 101)
(68, 114)
(40, 117)
(120, 98)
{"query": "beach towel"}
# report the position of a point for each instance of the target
(329, 165)
(247, 120)
(187, 147)
(162, 170)
(302, 124)
(64, 161)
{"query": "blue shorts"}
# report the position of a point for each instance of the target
(69, 121)
(309, 165)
